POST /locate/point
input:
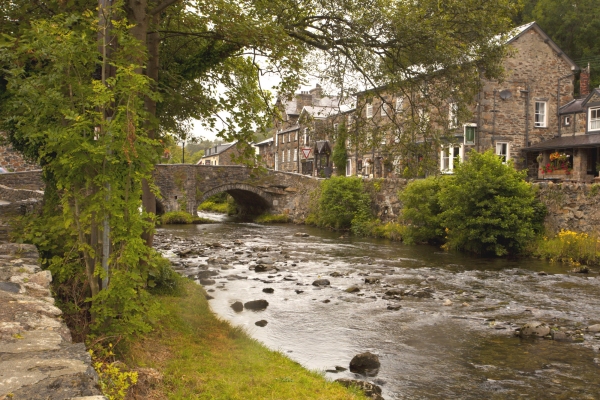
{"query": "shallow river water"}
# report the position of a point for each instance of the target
(446, 328)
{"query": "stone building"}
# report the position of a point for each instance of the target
(220, 154)
(266, 150)
(574, 153)
(12, 161)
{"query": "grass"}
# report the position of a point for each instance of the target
(202, 357)
(182, 217)
(272, 219)
(570, 247)
(214, 207)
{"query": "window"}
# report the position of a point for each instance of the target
(450, 156)
(276, 162)
(567, 121)
(348, 167)
(384, 109)
(399, 102)
(452, 115)
(594, 119)
(540, 114)
(289, 158)
(369, 110)
(276, 139)
(502, 150)
(305, 140)
(296, 136)
(289, 135)
(295, 154)
(470, 131)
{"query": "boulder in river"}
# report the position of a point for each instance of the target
(353, 289)
(237, 306)
(538, 329)
(261, 268)
(301, 234)
(321, 282)
(371, 280)
(262, 323)
(268, 290)
(594, 328)
(206, 282)
(370, 390)
(256, 305)
(365, 363)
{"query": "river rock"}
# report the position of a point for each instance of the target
(336, 274)
(268, 290)
(394, 292)
(594, 328)
(538, 329)
(237, 306)
(261, 268)
(207, 282)
(394, 307)
(353, 289)
(370, 390)
(447, 302)
(559, 335)
(365, 363)
(371, 280)
(262, 323)
(321, 282)
(301, 234)
(207, 274)
(256, 305)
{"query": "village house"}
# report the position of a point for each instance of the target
(517, 117)
(220, 154)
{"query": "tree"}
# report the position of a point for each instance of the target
(340, 155)
(89, 93)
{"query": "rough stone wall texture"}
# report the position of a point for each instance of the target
(23, 180)
(184, 187)
(37, 358)
(13, 161)
(533, 73)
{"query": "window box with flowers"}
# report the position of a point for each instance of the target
(560, 164)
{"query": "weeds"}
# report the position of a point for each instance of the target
(570, 247)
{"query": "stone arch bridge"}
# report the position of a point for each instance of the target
(185, 186)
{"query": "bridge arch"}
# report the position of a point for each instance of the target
(250, 200)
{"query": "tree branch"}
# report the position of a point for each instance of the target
(163, 6)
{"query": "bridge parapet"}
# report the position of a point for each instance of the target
(185, 186)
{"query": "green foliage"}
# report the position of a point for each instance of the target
(422, 210)
(113, 379)
(488, 208)
(272, 219)
(570, 247)
(209, 205)
(176, 217)
(340, 155)
(340, 201)
(163, 279)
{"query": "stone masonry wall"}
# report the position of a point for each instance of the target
(23, 180)
(13, 161)
(37, 358)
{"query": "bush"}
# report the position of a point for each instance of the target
(488, 208)
(339, 201)
(422, 210)
(570, 247)
(214, 207)
(272, 219)
(176, 217)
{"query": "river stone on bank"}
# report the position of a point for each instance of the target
(237, 306)
(256, 305)
(365, 363)
(321, 282)
(594, 328)
(268, 290)
(370, 390)
(262, 323)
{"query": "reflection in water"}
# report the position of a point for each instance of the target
(464, 349)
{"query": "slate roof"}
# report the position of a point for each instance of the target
(566, 142)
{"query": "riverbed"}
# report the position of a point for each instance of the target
(442, 324)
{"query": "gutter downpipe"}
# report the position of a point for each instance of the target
(558, 100)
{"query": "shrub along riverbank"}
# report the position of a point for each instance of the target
(202, 357)
(486, 207)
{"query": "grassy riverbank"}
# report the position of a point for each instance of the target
(202, 357)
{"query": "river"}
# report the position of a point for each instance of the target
(446, 328)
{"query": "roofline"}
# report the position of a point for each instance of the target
(547, 40)
(589, 96)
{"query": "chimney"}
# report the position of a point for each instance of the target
(584, 81)
(316, 92)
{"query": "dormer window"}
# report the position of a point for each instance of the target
(594, 119)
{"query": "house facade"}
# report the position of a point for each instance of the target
(220, 154)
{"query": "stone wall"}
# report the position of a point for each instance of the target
(13, 161)
(37, 357)
(23, 180)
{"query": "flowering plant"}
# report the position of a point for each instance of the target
(558, 162)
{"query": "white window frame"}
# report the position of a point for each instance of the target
(594, 122)
(447, 156)
(296, 136)
(277, 139)
(384, 109)
(305, 139)
(348, 167)
(289, 158)
(276, 161)
(369, 110)
(399, 103)
(295, 154)
(465, 126)
(567, 121)
(541, 116)
(500, 147)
